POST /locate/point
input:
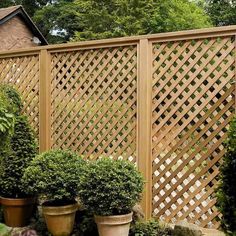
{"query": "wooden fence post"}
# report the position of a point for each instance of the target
(144, 122)
(44, 101)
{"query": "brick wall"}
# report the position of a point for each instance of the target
(15, 34)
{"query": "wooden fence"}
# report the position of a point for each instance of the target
(162, 101)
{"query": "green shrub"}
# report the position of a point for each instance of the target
(149, 228)
(7, 120)
(14, 99)
(10, 106)
(226, 195)
(23, 149)
(55, 174)
(110, 187)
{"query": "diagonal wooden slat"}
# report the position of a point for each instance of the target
(193, 103)
(100, 93)
(89, 85)
(23, 73)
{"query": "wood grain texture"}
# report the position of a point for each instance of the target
(163, 102)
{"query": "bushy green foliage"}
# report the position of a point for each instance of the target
(7, 120)
(10, 106)
(149, 228)
(226, 195)
(92, 19)
(222, 12)
(23, 149)
(4, 230)
(110, 187)
(55, 174)
(29, 5)
(61, 20)
(20, 146)
(147, 16)
(13, 98)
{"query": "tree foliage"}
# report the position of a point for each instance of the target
(222, 12)
(31, 6)
(64, 20)
(106, 19)
(226, 195)
(58, 20)
(92, 19)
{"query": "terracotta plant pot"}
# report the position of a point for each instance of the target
(17, 212)
(114, 225)
(60, 219)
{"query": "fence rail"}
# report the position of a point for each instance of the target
(161, 101)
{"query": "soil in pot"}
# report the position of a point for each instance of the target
(60, 219)
(114, 225)
(17, 211)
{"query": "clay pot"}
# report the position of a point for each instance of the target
(17, 211)
(60, 219)
(114, 225)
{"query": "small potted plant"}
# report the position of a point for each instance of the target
(55, 175)
(110, 189)
(18, 150)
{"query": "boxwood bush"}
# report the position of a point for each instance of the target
(23, 149)
(20, 147)
(226, 195)
(110, 187)
(54, 174)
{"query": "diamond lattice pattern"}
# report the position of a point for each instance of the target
(23, 73)
(192, 106)
(94, 101)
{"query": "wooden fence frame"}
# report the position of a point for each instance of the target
(144, 87)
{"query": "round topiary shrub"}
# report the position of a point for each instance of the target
(23, 149)
(226, 195)
(54, 174)
(110, 187)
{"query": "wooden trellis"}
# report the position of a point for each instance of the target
(162, 101)
(94, 95)
(192, 106)
(23, 72)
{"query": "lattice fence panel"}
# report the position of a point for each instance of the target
(23, 73)
(192, 105)
(94, 101)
